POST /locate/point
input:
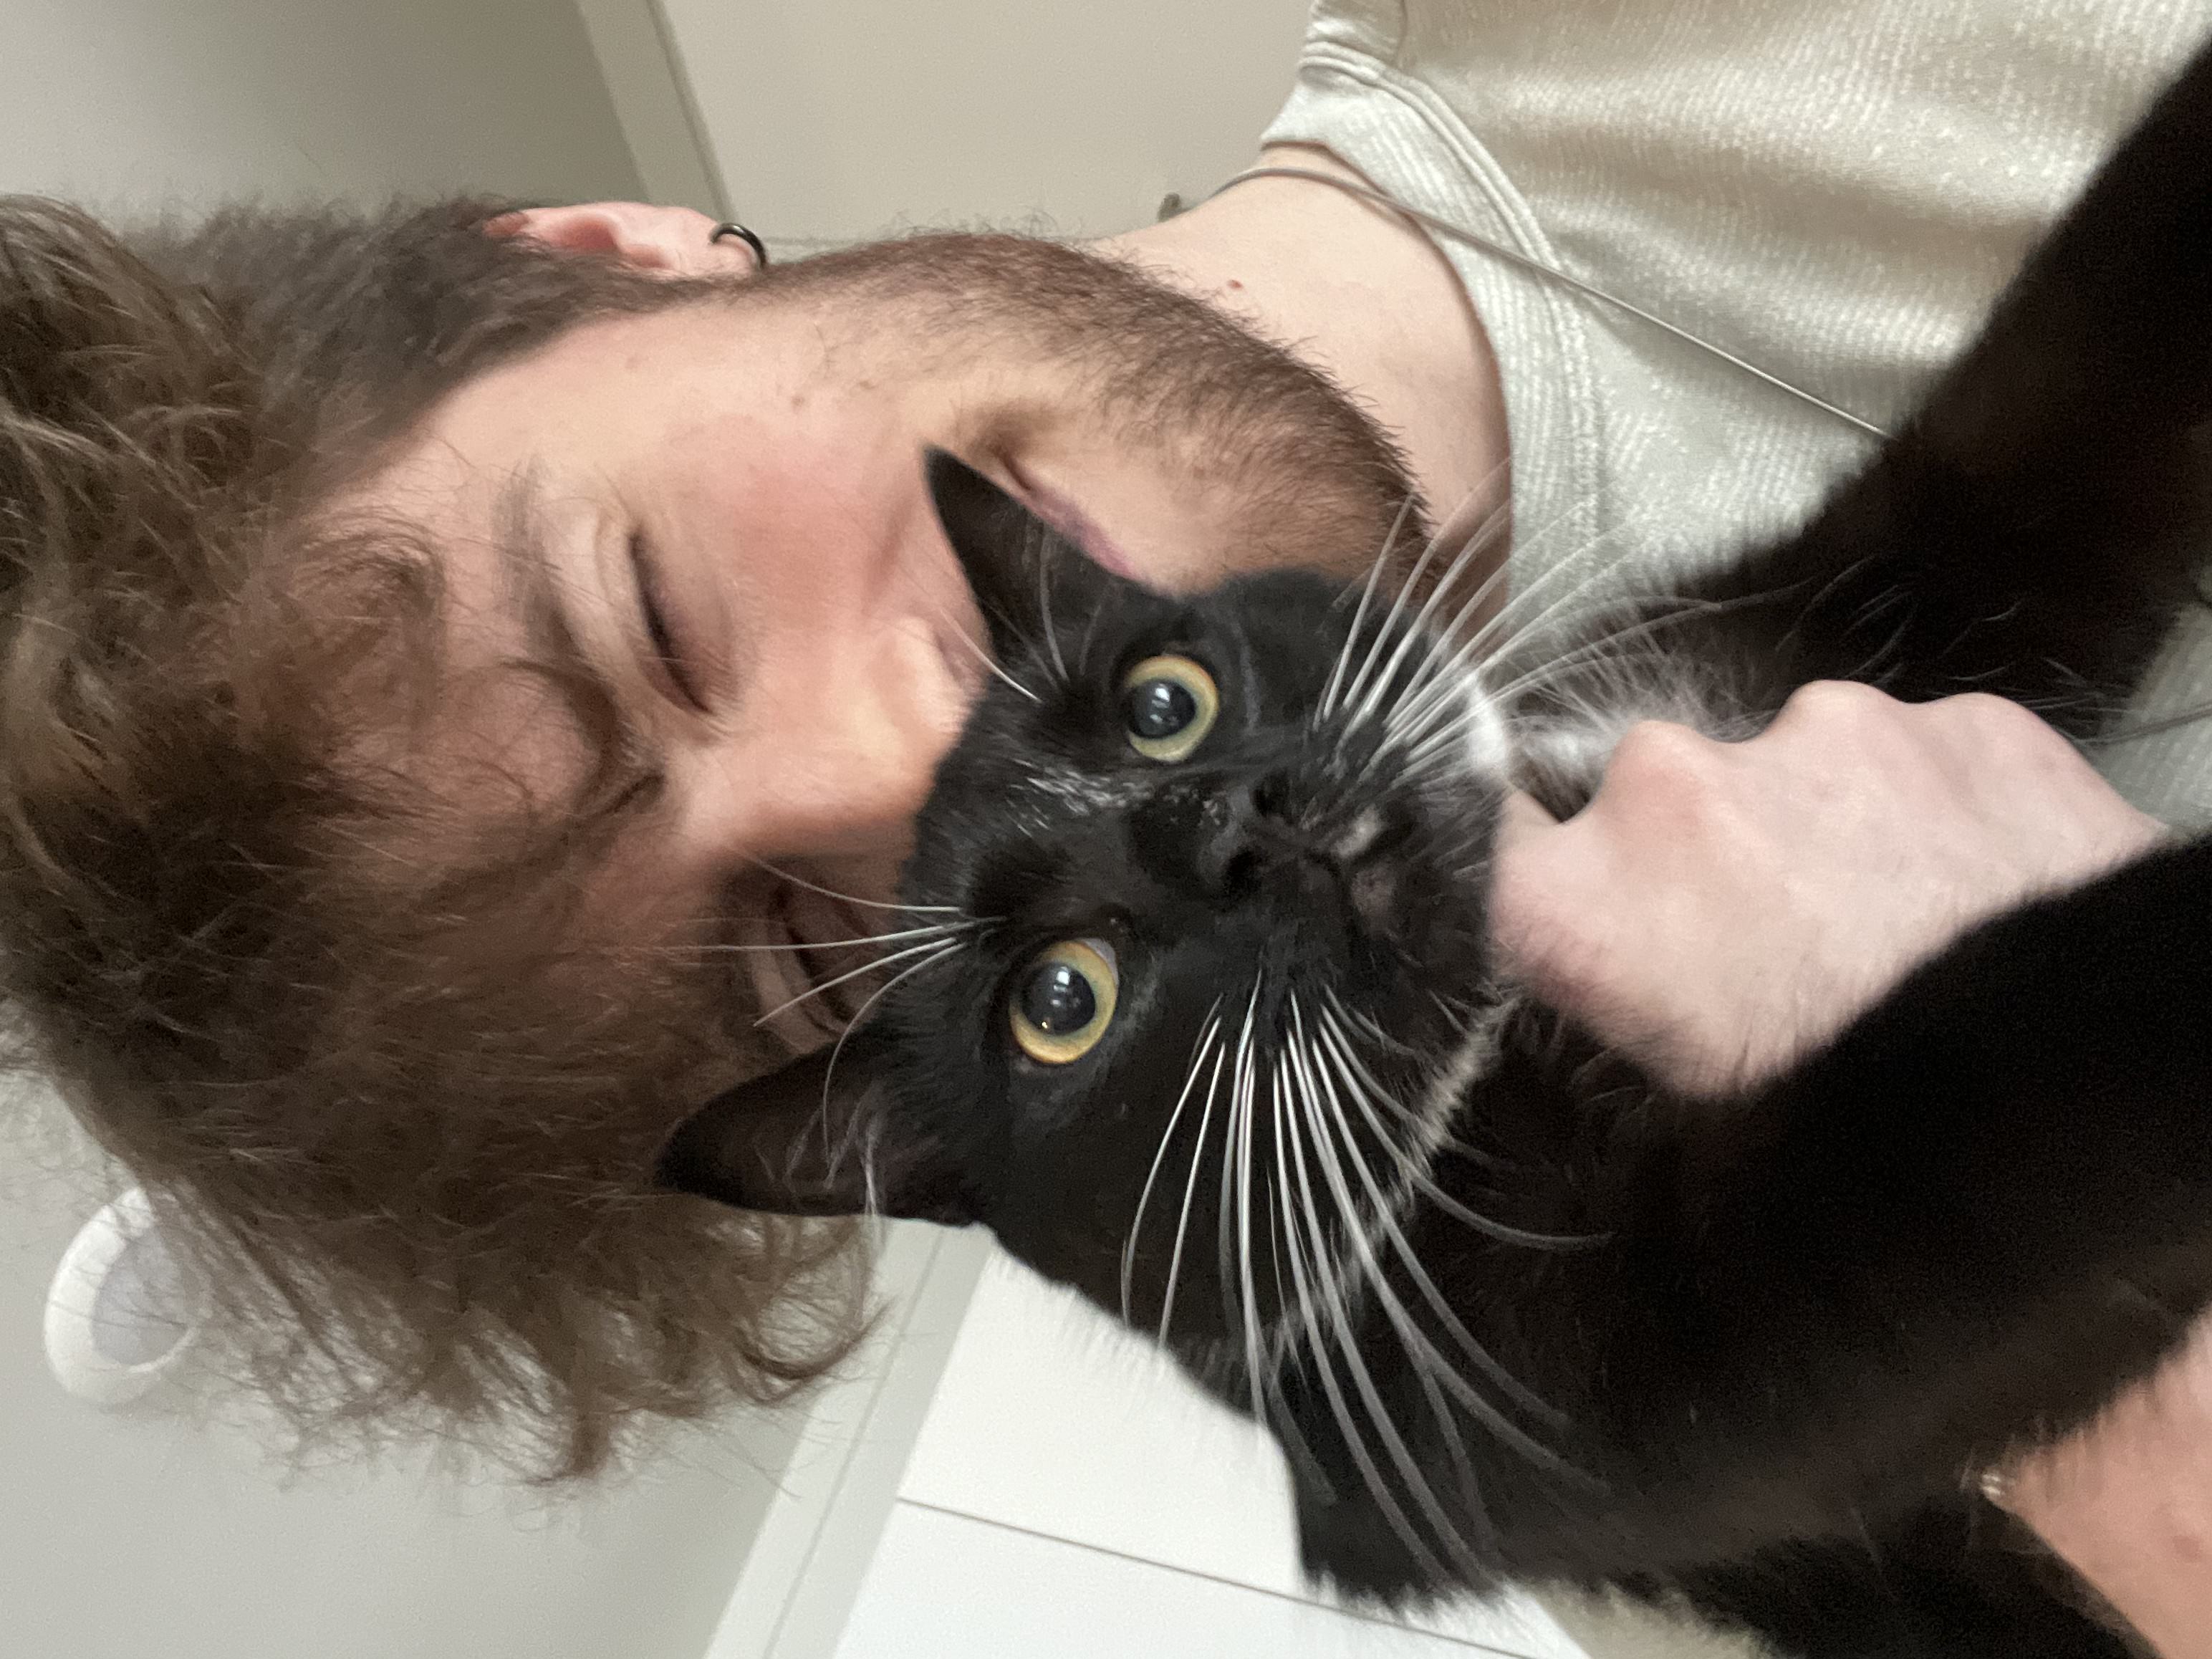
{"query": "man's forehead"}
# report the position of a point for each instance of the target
(554, 400)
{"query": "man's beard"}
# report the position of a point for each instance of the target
(1311, 479)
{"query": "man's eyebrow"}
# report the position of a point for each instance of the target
(532, 584)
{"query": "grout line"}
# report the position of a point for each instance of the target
(881, 1381)
(1212, 1578)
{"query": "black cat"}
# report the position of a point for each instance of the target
(1208, 1028)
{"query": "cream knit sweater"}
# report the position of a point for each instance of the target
(1834, 189)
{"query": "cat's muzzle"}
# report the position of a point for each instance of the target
(1263, 833)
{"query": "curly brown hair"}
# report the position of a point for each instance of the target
(405, 1151)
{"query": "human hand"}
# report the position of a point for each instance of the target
(2128, 1504)
(1718, 908)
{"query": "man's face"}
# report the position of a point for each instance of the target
(720, 509)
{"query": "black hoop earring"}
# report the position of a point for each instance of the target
(732, 227)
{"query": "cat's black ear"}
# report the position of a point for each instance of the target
(813, 1138)
(1028, 578)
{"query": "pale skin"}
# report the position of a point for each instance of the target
(773, 474)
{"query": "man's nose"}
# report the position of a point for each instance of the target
(841, 772)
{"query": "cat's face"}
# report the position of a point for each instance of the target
(1197, 962)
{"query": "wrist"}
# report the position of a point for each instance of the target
(2135, 1572)
(2127, 1506)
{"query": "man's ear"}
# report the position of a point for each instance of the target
(814, 1139)
(672, 241)
(1028, 578)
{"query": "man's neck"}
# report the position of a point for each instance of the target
(1362, 295)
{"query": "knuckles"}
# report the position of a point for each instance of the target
(1846, 705)
(1663, 772)
(1978, 716)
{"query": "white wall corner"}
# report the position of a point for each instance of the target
(653, 101)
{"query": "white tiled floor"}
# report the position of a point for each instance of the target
(1070, 1497)
(951, 1587)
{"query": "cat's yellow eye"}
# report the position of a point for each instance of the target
(1169, 705)
(1064, 1001)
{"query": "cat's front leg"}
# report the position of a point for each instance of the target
(1960, 1226)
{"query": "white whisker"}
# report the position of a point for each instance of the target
(1439, 1140)
(1438, 675)
(813, 991)
(1340, 1326)
(1253, 1341)
(1366, 594)
(1339, 1046)
(1205, 1038)
(1428, 674)
(1229, 1213)
(833, 1158)
(848, 898)
(1578, 571)
(1040, 547)
(1190, 1191)
(1387, 627)
(1610, 640)
(1490, 1415)
(992, 663)
(1414, 631)
(1425, 1364)
(939, 929)
(1501, 631)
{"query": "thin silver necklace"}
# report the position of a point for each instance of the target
(1513, 256)
(1445, 227)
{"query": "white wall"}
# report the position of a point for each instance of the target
(148, 101)
(837, 120)
(168, 1529)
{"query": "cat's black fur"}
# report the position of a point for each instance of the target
(1745, 1352)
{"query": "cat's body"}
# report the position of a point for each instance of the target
(1213, 1035)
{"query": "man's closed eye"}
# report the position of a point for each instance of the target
(667, 662)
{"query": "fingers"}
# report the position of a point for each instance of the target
(1530, 885)
(1550, 903)
(1665, 784)
(1719, 906)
